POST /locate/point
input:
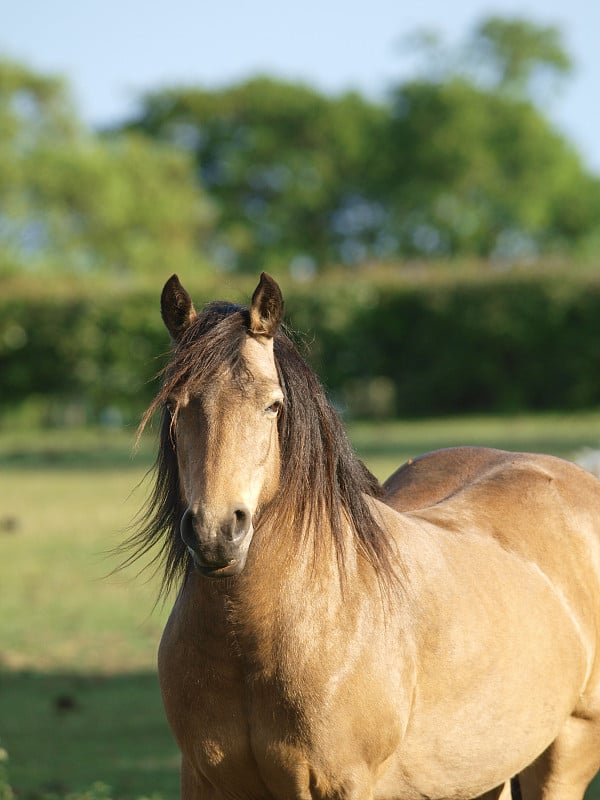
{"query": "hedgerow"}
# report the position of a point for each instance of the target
(381, 346)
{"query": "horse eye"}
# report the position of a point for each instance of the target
(274, 408)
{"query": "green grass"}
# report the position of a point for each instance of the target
(62, 609)
(79, 700)
(386, 445)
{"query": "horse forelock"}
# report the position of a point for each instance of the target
(326, 485)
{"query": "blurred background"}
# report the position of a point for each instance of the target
(424, 182)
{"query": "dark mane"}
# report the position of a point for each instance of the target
(326, 484)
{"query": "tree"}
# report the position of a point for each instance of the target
(125, 204)
(471, 164)
(517, 56)
(285, 165)
(33, 108)
(461, 160)
(471, 171)
(74, 201)
(508, 55)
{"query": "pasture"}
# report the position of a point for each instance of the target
(79, 699)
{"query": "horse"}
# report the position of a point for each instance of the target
(335, 638)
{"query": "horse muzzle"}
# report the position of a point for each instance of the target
(218, 547)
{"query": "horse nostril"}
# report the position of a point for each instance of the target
(241, 522)
(186, 528)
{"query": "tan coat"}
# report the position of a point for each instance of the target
(306, 660)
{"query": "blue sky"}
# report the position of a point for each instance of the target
(113, 51)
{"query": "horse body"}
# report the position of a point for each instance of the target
(301, 661)
(460, 692)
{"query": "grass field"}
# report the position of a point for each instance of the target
(79, 700)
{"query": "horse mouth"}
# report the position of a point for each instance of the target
(218, 572)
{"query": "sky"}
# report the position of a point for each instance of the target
(112, 51)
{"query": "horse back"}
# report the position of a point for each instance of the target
(432, 477)
(498, 491)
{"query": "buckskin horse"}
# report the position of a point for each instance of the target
(333, 638)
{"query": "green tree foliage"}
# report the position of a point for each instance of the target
(511, 55)
(472, 165)
(473, 171)
(285, 164)
(72, 200)
(127, 204)
(459, 161)
(518, 56)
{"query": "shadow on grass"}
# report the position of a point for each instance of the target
(64, 733)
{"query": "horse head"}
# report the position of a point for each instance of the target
(225, 429)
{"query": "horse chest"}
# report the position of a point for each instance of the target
(281, 724)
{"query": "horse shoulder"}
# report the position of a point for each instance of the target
(540, 510)
(468, 611)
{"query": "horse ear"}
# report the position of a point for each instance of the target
(176, 307)
(266, 309)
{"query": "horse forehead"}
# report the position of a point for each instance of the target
(258, 355)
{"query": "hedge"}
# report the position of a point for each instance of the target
(504, 343)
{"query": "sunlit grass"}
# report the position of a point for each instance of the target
(62, 609)
(79, 699)
(385, 445)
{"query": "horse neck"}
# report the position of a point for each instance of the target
(287, 584)
(311, 571)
